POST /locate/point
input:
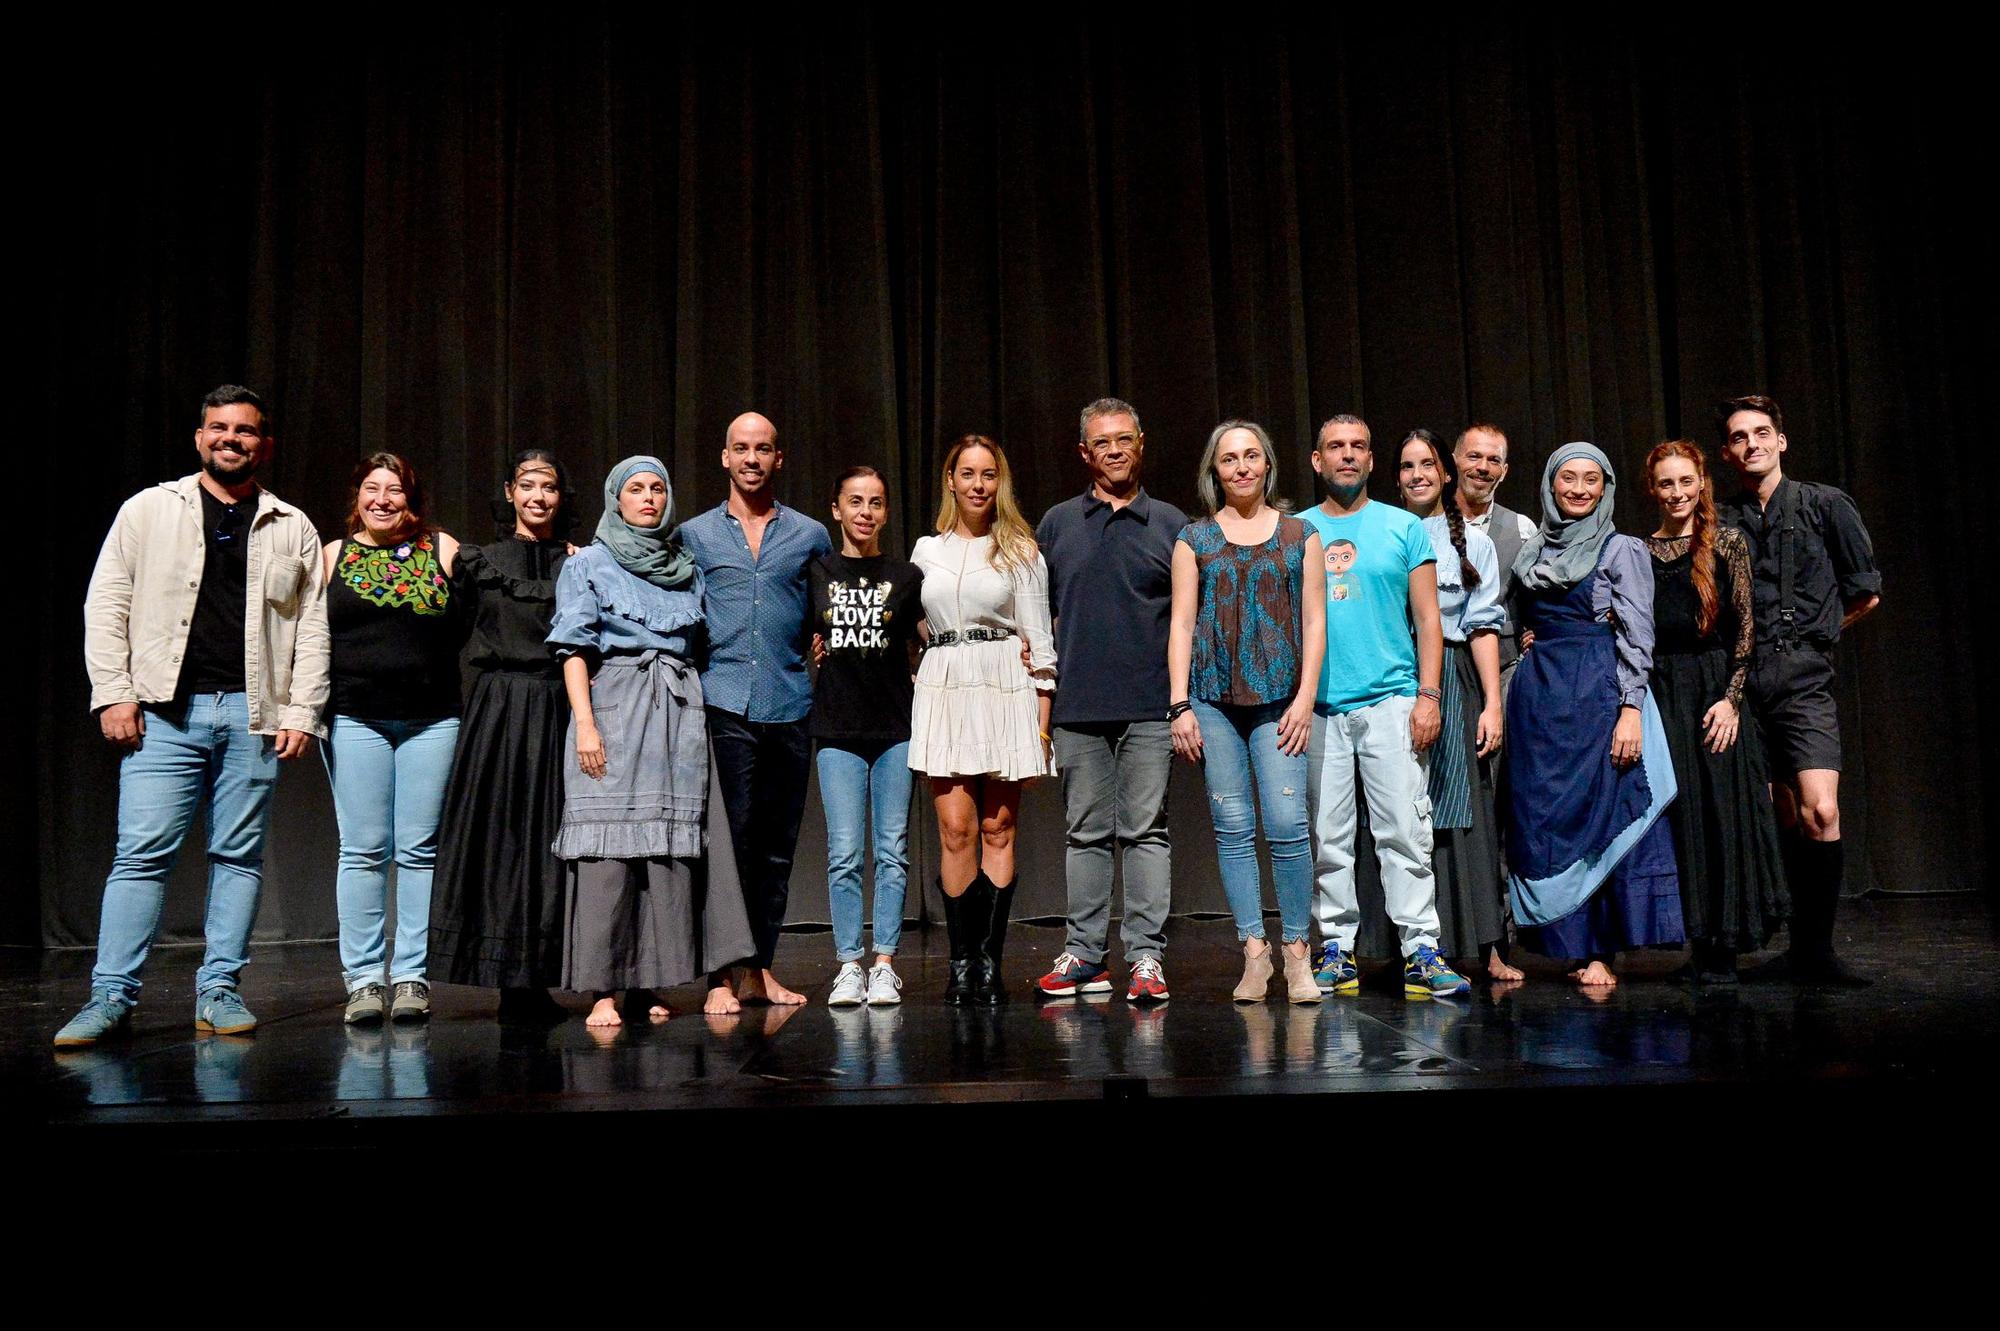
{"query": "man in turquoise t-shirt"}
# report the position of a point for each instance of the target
(1377, 712)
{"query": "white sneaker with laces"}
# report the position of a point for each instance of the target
(850, 987)
(885, 987)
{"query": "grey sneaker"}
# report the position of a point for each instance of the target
(850, 987)
(412, 1001)
(107, 1016)
(366, 1005)
(221, 1012)
(885, 987)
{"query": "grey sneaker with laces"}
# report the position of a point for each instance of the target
(850, 987)
(222, 1012)
(107, 1016)
(367, 1004)
(885, 987)
(412, 1001)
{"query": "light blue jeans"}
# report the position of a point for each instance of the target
(388, 793)
(852, 783)
(201, 753)
(1245, 771)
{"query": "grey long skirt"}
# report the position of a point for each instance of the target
(670, 908)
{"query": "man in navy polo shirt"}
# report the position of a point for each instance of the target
(1110, 556)
(753, 553)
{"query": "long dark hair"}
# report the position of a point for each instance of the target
(1454, 520)
(415, 523)
(503, 507)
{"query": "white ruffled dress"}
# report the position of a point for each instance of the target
(976, 712)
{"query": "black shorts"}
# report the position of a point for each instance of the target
(1792, 691)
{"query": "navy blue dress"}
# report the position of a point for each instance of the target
(1590, 859)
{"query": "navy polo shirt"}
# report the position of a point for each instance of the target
(1111, 589)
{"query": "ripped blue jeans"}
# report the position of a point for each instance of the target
(1246, 772)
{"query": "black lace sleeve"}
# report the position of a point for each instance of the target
(1735, 552)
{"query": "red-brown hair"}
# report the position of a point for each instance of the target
(413, 493)
(1702, 546)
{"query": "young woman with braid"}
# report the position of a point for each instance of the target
(1471, 894)
(1733, 895)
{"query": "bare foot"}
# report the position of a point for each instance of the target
(1596, 975)
(1496, 969)
(721, 1003)
(604, 1012)
(764, 985)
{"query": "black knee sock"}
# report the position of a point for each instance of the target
(1815, 869)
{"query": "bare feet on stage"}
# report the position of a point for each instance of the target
(656, 1007)
(1496, 969)
(763, 987)
(1596, 975)
(720, 1002)
(604, 1012)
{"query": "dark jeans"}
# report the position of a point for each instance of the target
(764, 766)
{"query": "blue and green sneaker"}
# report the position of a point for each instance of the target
(1335, 973)
(1429, 975)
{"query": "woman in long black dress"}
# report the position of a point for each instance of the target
(497, 912)
(1733, 894)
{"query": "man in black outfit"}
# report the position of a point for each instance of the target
(1813, 574)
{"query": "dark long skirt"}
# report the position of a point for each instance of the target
(497, 900)
(1732, 874)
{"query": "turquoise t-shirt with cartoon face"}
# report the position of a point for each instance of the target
(1371, 650)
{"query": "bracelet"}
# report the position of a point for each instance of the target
(1432, 694)
(1176, 710)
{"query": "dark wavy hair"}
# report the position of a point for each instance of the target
(503, 507)
(413, 493)
(1454, 520)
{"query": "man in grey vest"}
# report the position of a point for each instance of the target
(1480, 458)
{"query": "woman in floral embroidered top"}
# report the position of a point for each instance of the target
(395, 704)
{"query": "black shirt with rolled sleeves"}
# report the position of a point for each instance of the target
(213, 661)
(1111, 590)
(1809, 556)
(865, 610)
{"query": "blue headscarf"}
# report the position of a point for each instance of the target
(1565, 551)
(647, 552)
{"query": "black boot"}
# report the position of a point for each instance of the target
(988, 986)
(958, 928)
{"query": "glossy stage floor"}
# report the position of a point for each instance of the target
(1528, 1054)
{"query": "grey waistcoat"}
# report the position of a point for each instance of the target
(1504, 529)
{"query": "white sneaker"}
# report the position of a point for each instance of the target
(885, 987)
(850, 987)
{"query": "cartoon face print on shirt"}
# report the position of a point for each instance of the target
(858, 615)
(1340, 554)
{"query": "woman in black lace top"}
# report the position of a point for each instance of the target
(1725, 832)
(497, 911)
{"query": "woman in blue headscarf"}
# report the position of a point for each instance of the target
(1590, 860)
(653, 898)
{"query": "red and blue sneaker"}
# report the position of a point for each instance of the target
(1149, 982)
(1071, 976)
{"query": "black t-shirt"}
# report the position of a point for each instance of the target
(213, 661)
(867, 611)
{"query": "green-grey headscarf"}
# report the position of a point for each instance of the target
(648, 552)
(1565, 551)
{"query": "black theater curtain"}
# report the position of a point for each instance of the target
(608, 231)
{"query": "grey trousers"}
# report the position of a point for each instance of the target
(1114, 780)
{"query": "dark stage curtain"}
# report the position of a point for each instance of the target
(610, 231)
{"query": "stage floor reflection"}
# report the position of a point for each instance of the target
(1930, 1012)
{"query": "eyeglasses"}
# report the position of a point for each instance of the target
(1104, 442)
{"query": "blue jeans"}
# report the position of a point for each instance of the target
(851, 783)
(1241, 762)
(388, 793)
(202, 751)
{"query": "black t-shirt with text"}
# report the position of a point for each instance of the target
(213, 661)
(866, 610)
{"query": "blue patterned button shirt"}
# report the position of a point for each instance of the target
(756, 610)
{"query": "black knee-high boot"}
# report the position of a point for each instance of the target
(1815, 869)
(996, 904)
(960, 925)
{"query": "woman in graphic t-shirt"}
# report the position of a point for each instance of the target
(865, 608)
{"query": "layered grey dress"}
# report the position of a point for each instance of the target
(653, 899)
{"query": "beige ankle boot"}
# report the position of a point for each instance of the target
(1300, 987)
(1256, 976)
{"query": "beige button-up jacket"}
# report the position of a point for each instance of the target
(137, 613)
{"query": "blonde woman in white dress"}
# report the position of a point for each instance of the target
(979, 727)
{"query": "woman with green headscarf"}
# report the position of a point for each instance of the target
(1590, 862)
(653, 896)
